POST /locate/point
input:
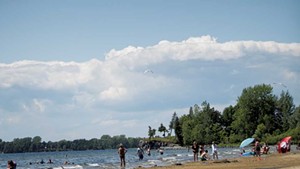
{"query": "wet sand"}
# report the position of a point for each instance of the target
(271, 161)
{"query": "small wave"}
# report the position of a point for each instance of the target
(236, 150)
(169, 158)
(72, 167)
(93, 165)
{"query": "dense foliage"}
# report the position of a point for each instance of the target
(28, 144)
(258, 113)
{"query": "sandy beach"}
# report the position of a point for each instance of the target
(271, 161)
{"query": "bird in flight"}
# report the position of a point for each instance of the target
(148, 71)
(281, 84)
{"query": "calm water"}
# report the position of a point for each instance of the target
(108, 159)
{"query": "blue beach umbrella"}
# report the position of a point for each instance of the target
(246, 142)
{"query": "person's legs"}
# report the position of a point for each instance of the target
(124, 163)
(121, 161)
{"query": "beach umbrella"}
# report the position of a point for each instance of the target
(284, 145)
(246, 142)
(286, 139)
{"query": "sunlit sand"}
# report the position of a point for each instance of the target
(274, 161)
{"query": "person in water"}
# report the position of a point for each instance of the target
(11, 164)
(149, 151)
(161, 151)
(195, 149)
(122, 151)
(140, 153)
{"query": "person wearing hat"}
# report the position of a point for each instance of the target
(122, 151)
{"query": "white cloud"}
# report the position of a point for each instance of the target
(110, 73)
(185, 73)
(203, 48)
(113, 93)
(290, 75)
(13, 120)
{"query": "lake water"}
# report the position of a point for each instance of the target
(108, 159)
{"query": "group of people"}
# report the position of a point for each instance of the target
(257, 149)
(204, 153)
(41, 162)
(140, 153)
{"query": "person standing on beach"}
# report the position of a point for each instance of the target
(122, 151)
(257, 149)
(214, 151)
(195, 149)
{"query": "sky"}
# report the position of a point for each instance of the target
(73, 69)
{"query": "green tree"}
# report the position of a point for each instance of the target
(187, 127)
(210, 120)
(172, 123)
(260, 131)
(191, 112)
(36, 143)
(178, 131)
(285, 107)
(162, 129)
(227, 119)
(151, 132)
(106, 141)
(254, 106)
(295, 118)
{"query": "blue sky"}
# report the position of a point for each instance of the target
(75, 69)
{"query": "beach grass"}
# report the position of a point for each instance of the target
(272, 161)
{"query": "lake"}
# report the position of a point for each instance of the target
(108, 159)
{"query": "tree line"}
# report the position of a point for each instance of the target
(35, 144)
(258, 113)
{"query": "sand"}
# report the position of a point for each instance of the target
(271, 161)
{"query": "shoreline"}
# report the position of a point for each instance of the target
(289, 160)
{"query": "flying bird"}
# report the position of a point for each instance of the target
(281, 84)
(148, 71)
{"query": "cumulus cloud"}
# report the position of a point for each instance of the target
(203, 48)
(184, 73)
(112, 93)
(36, 105)
(64, 75)
(290, 75)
